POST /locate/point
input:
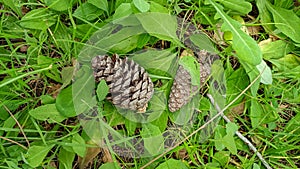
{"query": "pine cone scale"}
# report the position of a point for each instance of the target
(130, 86)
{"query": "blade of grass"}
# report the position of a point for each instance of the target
(24, 75)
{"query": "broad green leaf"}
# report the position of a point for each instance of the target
(256, 166)
(160, 25)
(66, 76)
(87, 11)
(286, 21)
(276, 49)
(287, 62)
(78, 145)
(122, 11)
(101, 4)
(155, 59)
(256, 113)
(143, 40)
(266, 74)
(229, 143)
(231, 128)
(130, 126)
(157, 105)
(58, 5)
(172, 164)
(141, 5)
(265, 15)
(162, 121)
(102, 90)
(126, 45)
(246, 48)
(156, 7)
(253, 73)
(240, 6)
(47, 112)
(223, 157)
(65, 158)
(190, 64)
(153, 139)
(40, 19)
(203, 42)
(36, 155)
(83, 90)
(236, 82)
(104, 40)
(47, 99)
(64, 102)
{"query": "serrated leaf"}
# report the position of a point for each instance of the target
(47, 112)
(36, 155)
(286, 21)
(102, 90)
(40, 19)
(266, 73)
(246, 48)
(141, 5)
(172, 164)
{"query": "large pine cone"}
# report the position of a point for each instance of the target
(130, 86)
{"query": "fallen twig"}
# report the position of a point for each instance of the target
(244, 139)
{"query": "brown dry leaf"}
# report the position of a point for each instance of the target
(91, 154)
(253, 30)
(182, 153)
(236, 111)
(106, 156)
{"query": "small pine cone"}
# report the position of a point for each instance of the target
(205, 60)
(182, 90)
(130, 86)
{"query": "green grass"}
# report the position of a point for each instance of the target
(45, 83)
